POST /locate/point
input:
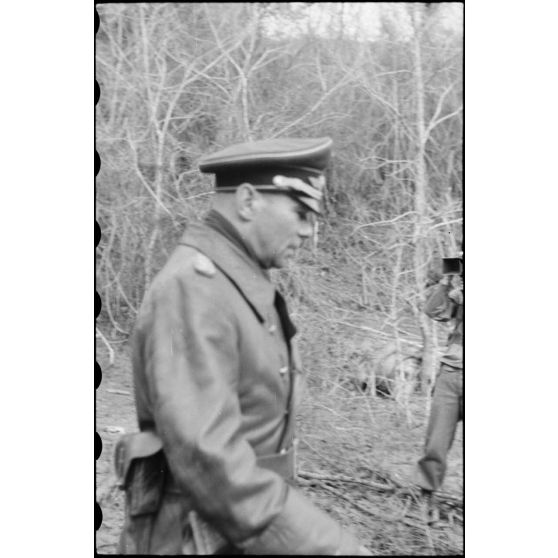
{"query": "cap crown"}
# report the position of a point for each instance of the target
(288, 165)
(305, 153)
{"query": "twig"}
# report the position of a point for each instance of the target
(347, 78)
(140, 174)
(445, 223)
(427, 532)
(121, 290)
(391, 485)
(384, 222)
(325, 458)
(108, 491)
(109, 312)
(307, 476)
(98, 333)
(406, 507)
(343, 478)
(118, 391)
(366, 328)
(365, 509)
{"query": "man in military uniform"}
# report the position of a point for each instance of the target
(445, 304)
(216, 372)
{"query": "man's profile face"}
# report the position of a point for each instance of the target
(281, 226)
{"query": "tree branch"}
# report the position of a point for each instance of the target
(342, 83)
(99, 333)
(140, 175)
(385, 222)
(432, 125)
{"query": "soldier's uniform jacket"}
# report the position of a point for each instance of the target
(440, 307)
(216, 384)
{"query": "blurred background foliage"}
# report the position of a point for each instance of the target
(179, 80)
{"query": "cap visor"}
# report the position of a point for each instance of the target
(314, 205)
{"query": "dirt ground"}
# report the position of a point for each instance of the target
(343, 435)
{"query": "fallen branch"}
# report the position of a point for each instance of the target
(365, 509)
(343, 478)
(404, 517)
(390, 485)
(98, 333)
(440, 495)
(118, 391)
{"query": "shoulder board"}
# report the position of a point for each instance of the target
(203, 265)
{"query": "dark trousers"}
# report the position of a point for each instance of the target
(446, 411)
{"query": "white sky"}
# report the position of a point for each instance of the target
(361, 20)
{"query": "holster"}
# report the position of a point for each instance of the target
(141, 470)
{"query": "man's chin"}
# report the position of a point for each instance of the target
(283, 261)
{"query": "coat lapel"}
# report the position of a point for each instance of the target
(250, 280)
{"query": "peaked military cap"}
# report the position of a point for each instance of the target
(292, 166)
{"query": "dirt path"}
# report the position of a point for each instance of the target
(341, 433)
(115, 413)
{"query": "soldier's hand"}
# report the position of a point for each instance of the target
(457, 282)
(456, 292)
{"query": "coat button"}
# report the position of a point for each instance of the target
(283, 451)
(272, 328)
(283, 370)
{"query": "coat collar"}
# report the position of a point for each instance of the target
(248, 277)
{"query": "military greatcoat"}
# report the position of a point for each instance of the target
(216, 385)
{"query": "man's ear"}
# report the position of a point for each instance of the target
(247, 201)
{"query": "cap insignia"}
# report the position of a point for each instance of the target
(299, 185)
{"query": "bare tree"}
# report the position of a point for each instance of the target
(178, 80)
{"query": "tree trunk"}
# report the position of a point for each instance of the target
(421, 183)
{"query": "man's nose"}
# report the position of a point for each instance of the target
(305, 230)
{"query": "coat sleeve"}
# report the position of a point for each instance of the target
(439, 306)
(191, 362)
